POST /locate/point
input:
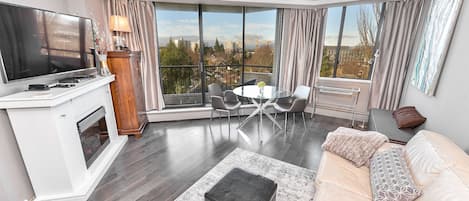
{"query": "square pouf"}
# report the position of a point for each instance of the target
(239, 185)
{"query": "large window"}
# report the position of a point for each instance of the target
(350, 38)
(223, 51)
(178, 37)
(200, 45)
(259, 41)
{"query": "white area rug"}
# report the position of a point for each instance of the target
(294, 183)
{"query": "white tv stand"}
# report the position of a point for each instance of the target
(45, 127)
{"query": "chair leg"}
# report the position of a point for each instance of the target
(211, 116)
(239, 116)
(304, 121)
(294, 119)
(229, 121)
(286, 119)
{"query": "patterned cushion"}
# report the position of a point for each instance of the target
(390, 177)
(354, 145)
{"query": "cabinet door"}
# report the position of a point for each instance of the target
(138, 89)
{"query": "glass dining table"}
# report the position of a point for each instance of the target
(261, 98)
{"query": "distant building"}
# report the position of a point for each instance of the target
(182, 42)
(195, 45)
(229, 46)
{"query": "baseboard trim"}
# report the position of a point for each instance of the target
(204, 113)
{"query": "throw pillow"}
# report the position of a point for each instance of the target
(408, 117)
(390, 177)
(354, 145)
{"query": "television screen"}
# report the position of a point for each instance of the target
(35, 42)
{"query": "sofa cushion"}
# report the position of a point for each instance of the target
(387, 146)
(424, 162)
(390, 177)
(447, 186)
(354, 145)
(428, 154)
(448, 151)
(332, 192)
(335, 170)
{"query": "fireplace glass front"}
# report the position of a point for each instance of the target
(94, 135)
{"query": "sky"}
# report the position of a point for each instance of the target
(224, 26)
(260, 24)
(350, 35)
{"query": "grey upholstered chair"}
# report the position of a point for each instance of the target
(296, 103)
(226, 101)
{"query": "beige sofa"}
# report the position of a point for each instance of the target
(439, 167)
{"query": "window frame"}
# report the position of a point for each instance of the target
(203, 67)
(339, 43)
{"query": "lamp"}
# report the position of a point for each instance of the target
(119, 24)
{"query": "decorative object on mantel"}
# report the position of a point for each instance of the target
(432, 48)
(103, 67)
(127, 92)
(100, 51)
(119, 24)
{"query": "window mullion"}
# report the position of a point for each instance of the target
(243, 46)
(339, 41)
(201, 52)
(378, 35)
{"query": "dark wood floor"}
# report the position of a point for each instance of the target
(171, 156)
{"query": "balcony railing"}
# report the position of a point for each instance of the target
(182, 84)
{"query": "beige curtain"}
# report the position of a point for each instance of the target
(399, 33)
(301, 48)
(143, 38)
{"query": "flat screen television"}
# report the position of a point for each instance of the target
(36, 42)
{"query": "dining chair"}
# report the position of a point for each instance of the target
(296, 103)
(226, 102)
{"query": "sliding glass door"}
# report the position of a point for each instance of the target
(223, 51)
(201, 45)
(259, 39)
(178, 39)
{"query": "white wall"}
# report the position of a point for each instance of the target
(448, 111)
(14, 181)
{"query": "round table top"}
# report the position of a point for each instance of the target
(253, 91)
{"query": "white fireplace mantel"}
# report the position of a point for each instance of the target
(45, 127)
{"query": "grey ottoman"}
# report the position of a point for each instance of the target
(239, 185)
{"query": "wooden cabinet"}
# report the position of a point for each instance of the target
(127, 92)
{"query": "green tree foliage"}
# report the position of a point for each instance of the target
(174, 54)
(219, 48)
(263, 55)
(177, 80)
(327, 67)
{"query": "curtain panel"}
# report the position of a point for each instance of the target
(142, 19)
(301, 48)
(396, 47)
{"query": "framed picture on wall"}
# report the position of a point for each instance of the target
(437, 32)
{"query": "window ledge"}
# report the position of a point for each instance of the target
(328, 79)
(191, 109)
